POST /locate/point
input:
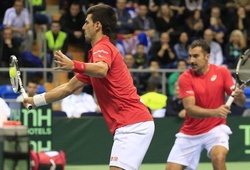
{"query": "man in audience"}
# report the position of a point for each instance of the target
(72, 22)
(31, 90)
(79, 103)
(17, 18)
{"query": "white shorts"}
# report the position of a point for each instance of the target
(130, 145)
(187, 148)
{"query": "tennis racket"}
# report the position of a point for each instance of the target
(242, 74)
(15, 79)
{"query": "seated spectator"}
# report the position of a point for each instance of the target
(218, 29)
(4, 111)
(31, 90)
(17, 18)
(155, 77)
(245, 4)
(8, 46)
(168, 22)
(192, 5)
(216, 55)
(140, 56)
(242, 22)
(144, 24)
(178, 6)
(72, 21)
(174, 104)
(139, 79)
(181, 48)
(154, 100)
(124, 26)
(195, 25)
(173, 77)
(4, 5)
(56, 40)
(234, 48)
(79, 103)
(163, 52)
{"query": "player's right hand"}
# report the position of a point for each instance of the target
(29, 100)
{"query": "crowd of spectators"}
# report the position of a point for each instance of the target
(150, 34)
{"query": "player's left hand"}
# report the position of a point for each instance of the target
(238, 93)
(63, 62)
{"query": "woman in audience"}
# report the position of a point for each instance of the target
(234, 48)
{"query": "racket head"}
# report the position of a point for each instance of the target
(243, 69)
(15, 80)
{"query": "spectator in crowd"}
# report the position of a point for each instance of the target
(178, 6)
(170, 23)
(155, 101)
(79, 103)
(143, 23)
(140, 56)
(195, 25)
(163, 52)
(214, 12)
(227, 8)
(218, 29)
(17, 18)
(56, 40)
(153, 6)
(216, 54)
(4, 111)
(154, 76)
(71, 22)
(31, 90)
(174, 104)
(8, 46)
(165, 21)
(173, 77)
(245, 4)
(242, 22)
(181, 48)
(192, 5)
(124, 26)
(234, 48)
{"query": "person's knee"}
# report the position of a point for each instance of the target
(218, 154)
(173, 166)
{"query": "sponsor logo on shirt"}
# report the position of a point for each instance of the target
(113, 158)
(190, 92)
(213, 78)
(100, 51)
(99, 56)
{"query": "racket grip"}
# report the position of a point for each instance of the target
(230, 99)
(28, 106)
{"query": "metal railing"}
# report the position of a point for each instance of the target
(163, 73)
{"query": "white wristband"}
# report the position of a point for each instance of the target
(39, 100)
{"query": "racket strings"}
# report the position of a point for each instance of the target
(244, 70)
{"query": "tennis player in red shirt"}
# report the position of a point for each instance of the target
(202, 89)
(128, 119)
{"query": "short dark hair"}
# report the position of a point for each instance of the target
(200, 43)
(105, 15)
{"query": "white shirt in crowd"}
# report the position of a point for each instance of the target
(75, 105)
(4, 111)
(17, 21)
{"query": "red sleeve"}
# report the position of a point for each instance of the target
(102, 52)
(229, 83)
(185, 84)
(83, 78)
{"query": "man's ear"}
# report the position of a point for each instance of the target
(98, 26)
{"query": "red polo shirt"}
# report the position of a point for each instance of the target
(116, 94)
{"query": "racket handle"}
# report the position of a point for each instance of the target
(28, 106)
(230, 99)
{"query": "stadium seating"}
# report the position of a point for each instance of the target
(6, 92)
